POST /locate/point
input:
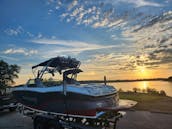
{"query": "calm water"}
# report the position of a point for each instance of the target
(158, 85)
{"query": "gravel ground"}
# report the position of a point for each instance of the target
(133, 120)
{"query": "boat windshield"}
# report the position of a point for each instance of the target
(50, 82)
(34, 83)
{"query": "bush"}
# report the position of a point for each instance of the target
(136, 89)
(151, 91)
(120, 90)
(162, 93)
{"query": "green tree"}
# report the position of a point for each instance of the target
(7, 74)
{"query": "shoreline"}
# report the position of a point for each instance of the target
(149, 102)
(125, 80)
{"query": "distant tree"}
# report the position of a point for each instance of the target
(170, 78)
(144, 90)
(152, 91)
(7, 74)
(120, 90)
(136, 89)
(162, 93)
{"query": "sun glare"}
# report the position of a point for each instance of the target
(142, 72)
(145, 85)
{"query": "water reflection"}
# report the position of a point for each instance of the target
(158, 85)
(144, 85)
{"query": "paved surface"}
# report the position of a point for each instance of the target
(145, 120)
(14, 120)
(133, 120)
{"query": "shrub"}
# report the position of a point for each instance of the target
(162, 93)
(136, 89)
(120, 90)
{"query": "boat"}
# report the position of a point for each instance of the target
(70, 97)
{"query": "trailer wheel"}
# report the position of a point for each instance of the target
(38, 124)
(43, 122)
(53, 124)
(11, 109)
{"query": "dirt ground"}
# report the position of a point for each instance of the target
(132, 120)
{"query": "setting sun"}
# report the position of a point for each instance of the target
(142, 72)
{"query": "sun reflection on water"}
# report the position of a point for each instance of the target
(144, 85)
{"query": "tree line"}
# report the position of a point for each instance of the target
(7, 74)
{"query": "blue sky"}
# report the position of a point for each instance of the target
(110, 37)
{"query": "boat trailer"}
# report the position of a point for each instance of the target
(47, 120)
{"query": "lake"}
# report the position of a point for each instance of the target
(158, 85)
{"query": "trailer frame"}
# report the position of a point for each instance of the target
(48, 120)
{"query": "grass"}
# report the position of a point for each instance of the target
(148, 102)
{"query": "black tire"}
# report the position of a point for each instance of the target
(38, 124)
(42, 122)
(11, 109)
(53, 125)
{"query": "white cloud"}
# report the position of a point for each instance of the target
(68, 46)
(140, 3)
(155, 32)
(50, 11)
(14, 32)
(74, 3)
(29, 34)
(101, 23)
(19, 31)
(98, 16)
(20, 51)
(39, 35)
(137, 3)
(8, 58)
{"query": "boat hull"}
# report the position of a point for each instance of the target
(72, 103)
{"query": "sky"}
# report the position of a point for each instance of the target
(122, 39)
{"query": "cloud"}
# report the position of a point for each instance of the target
(50, 11)
(153, 38)
(110, 14)
(8, 58)
(18, 31)
(39, 35)
(161, 56)
(72, 4)
(14, 32)
(20, 51)
(106, 62)
(29, 34)
(140, 3)
(71, 46)
(105, 13)
(144, 24)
